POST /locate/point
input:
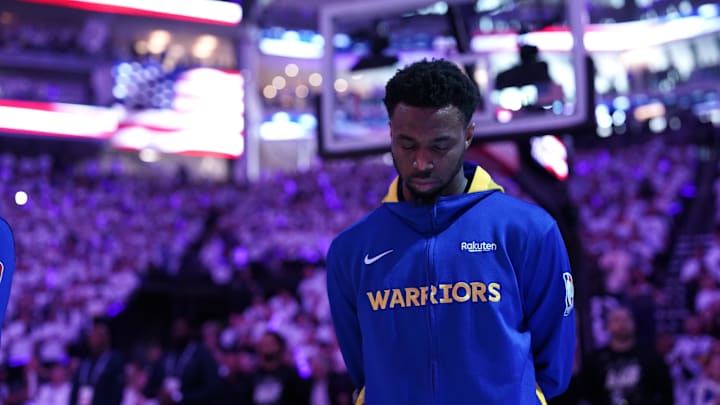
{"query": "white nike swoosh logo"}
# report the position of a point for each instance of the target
(371, 260)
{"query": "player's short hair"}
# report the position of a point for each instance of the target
(433, 83)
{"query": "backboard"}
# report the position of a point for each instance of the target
(367, 42)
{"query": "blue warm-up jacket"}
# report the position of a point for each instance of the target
(466, 301)
(7, 265)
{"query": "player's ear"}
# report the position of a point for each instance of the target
(469, 132)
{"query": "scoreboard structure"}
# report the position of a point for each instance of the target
(353, 120)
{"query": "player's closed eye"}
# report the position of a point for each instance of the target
(407, 145)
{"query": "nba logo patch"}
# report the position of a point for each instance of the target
(569, 293)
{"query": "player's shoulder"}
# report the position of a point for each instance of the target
(360, 229)
(6, 234)
(521, 212)
(5, 226)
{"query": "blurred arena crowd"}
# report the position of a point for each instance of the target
(88, 237)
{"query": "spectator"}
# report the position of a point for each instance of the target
(275, 382)
(708, 295)
(328, 387)
(136, 376)
(57, 390)
(707, 391)
(687, 357)
(100, 377)
(622, 372)
(240, 366)
(187, 374)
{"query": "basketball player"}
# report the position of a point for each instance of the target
(451, 292)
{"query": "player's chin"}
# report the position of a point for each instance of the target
(425, 186)
(425, 194)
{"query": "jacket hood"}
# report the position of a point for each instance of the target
(434, 218)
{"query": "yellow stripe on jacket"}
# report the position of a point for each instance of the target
(360, 400)
(361, 396)
(481, 181)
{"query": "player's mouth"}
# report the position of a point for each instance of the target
(423, 184)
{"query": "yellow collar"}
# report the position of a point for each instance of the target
(481, 181)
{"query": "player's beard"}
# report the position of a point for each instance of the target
(428, 197)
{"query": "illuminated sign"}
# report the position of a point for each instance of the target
(199, 11)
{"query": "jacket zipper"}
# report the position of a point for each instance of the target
(431, 282)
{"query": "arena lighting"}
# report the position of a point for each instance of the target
(204, 46)
(649, 111)
(199, 11)
(158, 41)
(282, 131)
(621, 103)
(21, 198)
(291, 48)
(603, 37)
(658, 124)
(709, 10)
(602, 116)
(598, 37)
(438, 8)
(282, 127)
(551, 154)
(148, 155)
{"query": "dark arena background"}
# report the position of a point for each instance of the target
(175, 170)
